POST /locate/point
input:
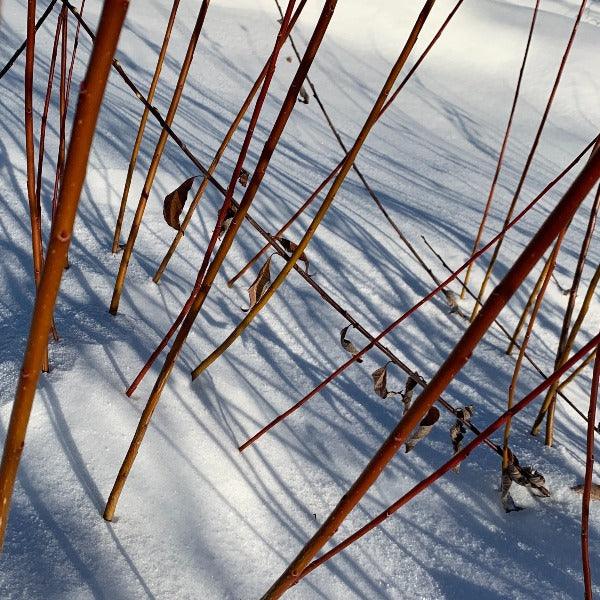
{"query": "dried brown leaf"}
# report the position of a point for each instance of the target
(424, 428)
(174, 203)
(260, 284)
(227, 221)
(407, 395)
(290, 248)
(347, 344)
(304, 99)
(380, 381)
(453, 302)
(526, 476)
(243, 178)
(458, 430)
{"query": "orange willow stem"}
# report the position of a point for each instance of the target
(545, 408)
(452, 463)
(513, 109)
(335, 171)
(512, 388)
(253, 185)
(564, 334)
(34, 209)
(587, 486)
(158, 152)
(530, 301)
(90, 98)
(217, 159)
(142, 126)
(552, 226)
(532, 151)
(341, 176)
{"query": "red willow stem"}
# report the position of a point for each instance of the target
(335, 171)
(454, 461)
(211, 273)
(513, 109)
(532, 151)
(73, 54)
(587, 486)
(86, 115)
(556, 221)
(414, 308)
(44, 120)
(35, 216)
(62, 109)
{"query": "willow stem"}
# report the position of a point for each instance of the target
(86, 115)
(142, 126)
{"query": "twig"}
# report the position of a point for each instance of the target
(11, 61)
(587, 486)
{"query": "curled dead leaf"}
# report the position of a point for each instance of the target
(243, 178)
(458, 429)
(347, 344)
(174, 203)
(227, 221)
(290, 247)
(424, 428)
(260, 284)
(407, 394)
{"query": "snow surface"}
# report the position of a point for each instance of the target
(196, 518)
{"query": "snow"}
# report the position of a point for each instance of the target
(196, 518)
